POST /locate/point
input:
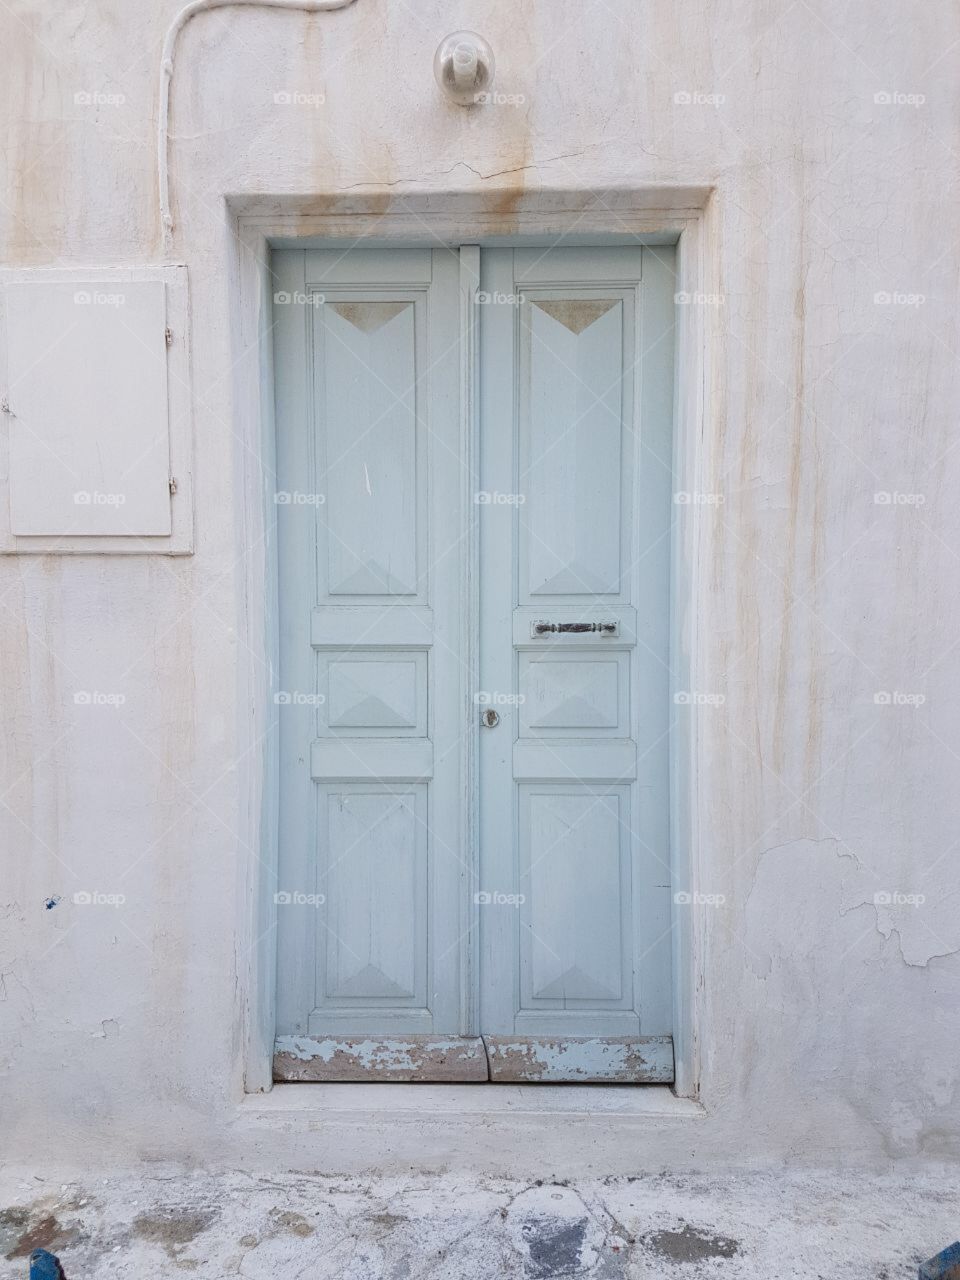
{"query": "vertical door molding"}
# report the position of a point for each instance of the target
(470, 632)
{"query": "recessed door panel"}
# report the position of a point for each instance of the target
(366, 352)
(562, 694)
(373, 864)
(574, 859)
(570, 441)
(375, 693)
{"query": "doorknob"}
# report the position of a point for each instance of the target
(490, 718)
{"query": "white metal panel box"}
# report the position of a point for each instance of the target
(96, 411)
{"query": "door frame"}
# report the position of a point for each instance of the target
(682, 216)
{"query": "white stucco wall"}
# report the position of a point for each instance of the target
(827, 1023)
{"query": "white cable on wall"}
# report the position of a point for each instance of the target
(166, 76)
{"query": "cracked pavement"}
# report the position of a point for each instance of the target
(163, 1223)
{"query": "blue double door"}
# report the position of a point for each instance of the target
(473, 526)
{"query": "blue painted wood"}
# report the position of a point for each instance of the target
(45, 1266)
(369, 516)
(381, 898)
(945, 1266)
(576, 371)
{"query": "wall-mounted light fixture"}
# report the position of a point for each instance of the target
(464, 65)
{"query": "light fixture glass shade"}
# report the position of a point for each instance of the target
(464, 65)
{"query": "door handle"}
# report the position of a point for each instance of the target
(574, 628)
(490, 718)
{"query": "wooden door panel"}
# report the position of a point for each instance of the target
(371, 873)
(369, 693)
(596, 1059)
(575, 429)
(575, 863)
(562, 696)
(366, 386)
(374, 866)
(570, 428)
